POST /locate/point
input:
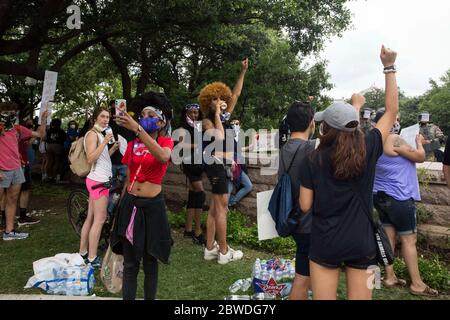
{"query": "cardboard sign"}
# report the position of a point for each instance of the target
(48, 94)
(266, 225)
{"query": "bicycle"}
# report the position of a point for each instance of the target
(78, 205)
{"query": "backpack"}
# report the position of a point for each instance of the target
(78, 159)
(281, 204)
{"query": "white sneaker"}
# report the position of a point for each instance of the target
(211, 254)
(231, 255)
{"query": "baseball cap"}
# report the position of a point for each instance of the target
(338, 115)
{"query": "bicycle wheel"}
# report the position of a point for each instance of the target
(77, 209)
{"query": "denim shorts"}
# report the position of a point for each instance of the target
(11, 177)
(395, 213)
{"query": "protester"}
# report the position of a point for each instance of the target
(71, 136)
(142, 224)
(217, 102)
(119, 170)
(27, 158)
(395, 190)
(98, 156)
(11, 174)
(336, 185)
(55, 139)
(190, 117)
(301, 125)
(446, 162)
(240, 181)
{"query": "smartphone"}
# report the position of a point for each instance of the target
(121, 107)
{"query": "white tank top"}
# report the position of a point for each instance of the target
(101, 170)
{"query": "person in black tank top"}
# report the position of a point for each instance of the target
(192, 167)
(217, 102)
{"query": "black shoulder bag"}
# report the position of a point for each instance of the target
(385, 254)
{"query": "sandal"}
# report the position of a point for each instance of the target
(429, 292)
(399, 283)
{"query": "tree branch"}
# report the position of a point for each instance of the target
(120, 64)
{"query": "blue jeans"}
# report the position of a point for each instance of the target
(117, 169)
(247, 187)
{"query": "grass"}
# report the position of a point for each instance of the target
(187, 276)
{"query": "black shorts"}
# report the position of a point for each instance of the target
(395, 213)
(359, 263)
(218, 179)
(302, 254)
(27, 173)
(193, 171)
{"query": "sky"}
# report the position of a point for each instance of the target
(418, 30)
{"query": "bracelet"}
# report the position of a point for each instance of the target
(390, 69)
(138, 132)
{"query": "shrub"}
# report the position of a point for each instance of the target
(433, 272)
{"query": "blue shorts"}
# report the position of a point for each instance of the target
(395, 213)
(12, 177)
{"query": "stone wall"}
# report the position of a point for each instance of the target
(435, 194)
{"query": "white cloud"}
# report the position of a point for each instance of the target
(418, 30)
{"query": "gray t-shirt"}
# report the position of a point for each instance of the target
(287, 154)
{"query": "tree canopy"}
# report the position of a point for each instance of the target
(175, 46)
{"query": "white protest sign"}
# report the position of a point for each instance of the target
(409, 134)
(48, 93)
(266, 225)
(123, 144)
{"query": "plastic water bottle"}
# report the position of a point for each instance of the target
(108, 131)
(236, 286)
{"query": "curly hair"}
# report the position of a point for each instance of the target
(8, 106)
(215, 89)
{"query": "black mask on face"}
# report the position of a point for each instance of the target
(8, 119)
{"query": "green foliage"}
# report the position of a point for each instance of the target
(242, 230)
(422, 213)
(433, 272)
(437, 102)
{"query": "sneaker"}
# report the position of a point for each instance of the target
(188, 234)
(27, 221)
(13, 235)
(85, 257)
(96, 263)
(231, 255)
(212, 254)
(200, 239)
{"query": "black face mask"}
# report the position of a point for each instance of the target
(9, 120)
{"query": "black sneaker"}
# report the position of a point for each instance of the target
(27, 221)
(200, 239)
(188, 234)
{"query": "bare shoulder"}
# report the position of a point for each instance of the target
(207, 124)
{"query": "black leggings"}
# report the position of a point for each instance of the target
(131, 270)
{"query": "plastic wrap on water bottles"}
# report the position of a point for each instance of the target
(236, 286)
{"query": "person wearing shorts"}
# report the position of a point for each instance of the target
(11, 174)
(190, 134)
(396, 190)
(96, 147)
(217, 103)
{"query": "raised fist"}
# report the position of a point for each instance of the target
(387, 56)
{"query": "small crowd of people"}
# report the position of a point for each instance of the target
(337, 179)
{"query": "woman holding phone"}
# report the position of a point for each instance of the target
(142, 224)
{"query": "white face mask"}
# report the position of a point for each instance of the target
(72, 126)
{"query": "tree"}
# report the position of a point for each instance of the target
(437, 102)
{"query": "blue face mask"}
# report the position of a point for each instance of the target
(150, 125)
